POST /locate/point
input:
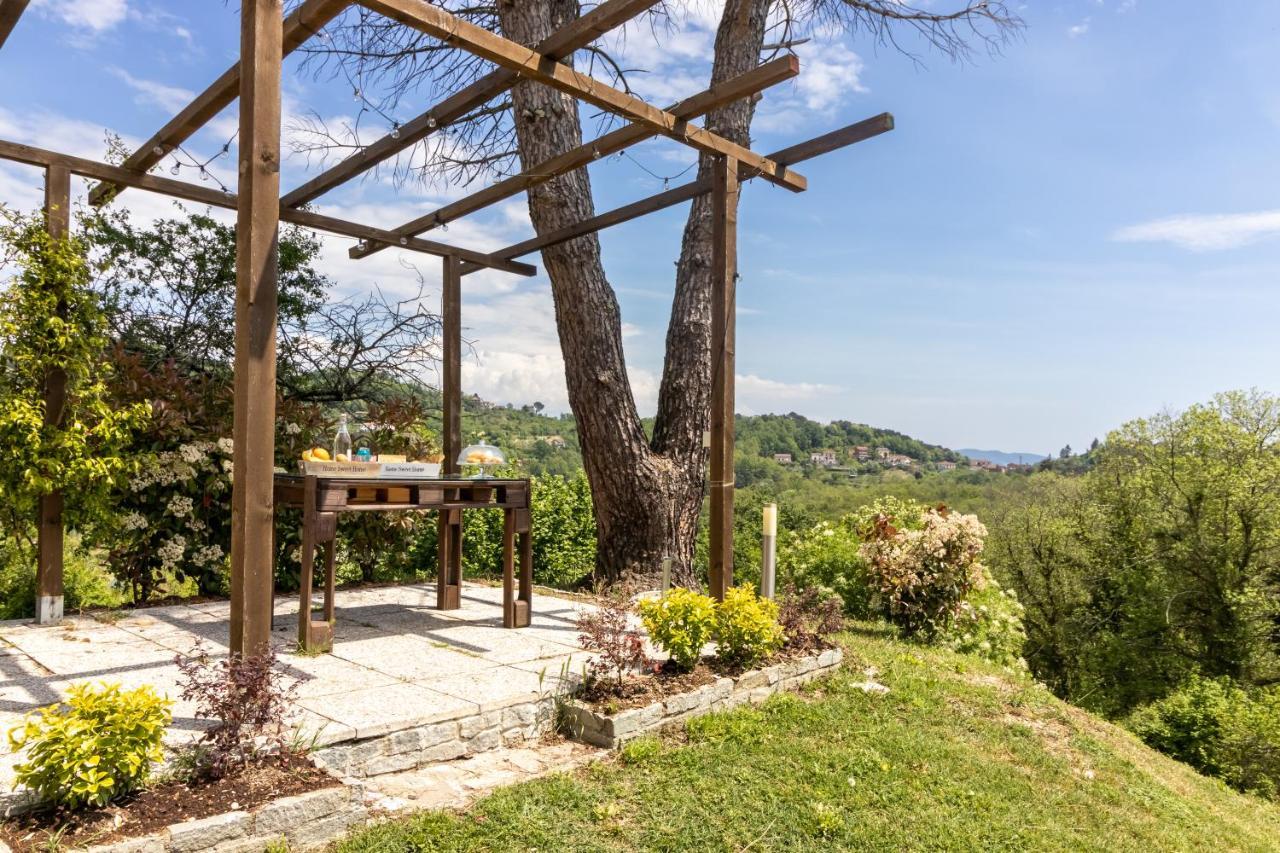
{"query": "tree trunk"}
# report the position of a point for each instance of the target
(646, 496)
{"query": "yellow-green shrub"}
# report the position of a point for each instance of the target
(681, 623)
(98, 746)
(747, 628)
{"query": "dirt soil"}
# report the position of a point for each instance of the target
(152, 809)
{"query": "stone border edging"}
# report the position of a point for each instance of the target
(306, 821)
(754, 686)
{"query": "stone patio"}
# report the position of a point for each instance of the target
(398, 664)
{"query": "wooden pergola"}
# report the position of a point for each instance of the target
(267, 35)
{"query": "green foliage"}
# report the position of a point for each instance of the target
(641, 750)
(1220, 729)
(86, 582)
(746, 628)
(680, 623)
(827, 555)
(988, 623)
(923, 574)
(97, 747)
(51, 321)
(1161, 563)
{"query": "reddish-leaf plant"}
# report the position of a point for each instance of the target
(608, 630)
(247, 697)
(809, 617)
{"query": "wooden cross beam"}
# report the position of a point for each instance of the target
(117, 175)
(744, 85)
(436, 22)
(562, 43)
(10, 12)
(836, 139)
(304, 22)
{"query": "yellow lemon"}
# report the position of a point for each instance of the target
(342, 457)
(307, 456)
(320, 453)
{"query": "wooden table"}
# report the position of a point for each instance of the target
(321, 499)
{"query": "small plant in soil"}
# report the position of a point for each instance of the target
(608, 631)
(809, 617)
(681, 623)
(247, 697)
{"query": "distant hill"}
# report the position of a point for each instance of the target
(1000, 457)
(765, 435)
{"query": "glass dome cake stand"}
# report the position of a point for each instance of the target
(483, 457)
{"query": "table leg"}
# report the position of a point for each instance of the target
(314, 636)
(449, 574)
(508, 568)
(524, 604)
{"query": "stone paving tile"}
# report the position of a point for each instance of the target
(492, 688)
(377, 711)
(410, 658)
(321, 675)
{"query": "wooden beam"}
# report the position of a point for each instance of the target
(436, 22)
(449, 524)
(31, 155)
(257, 251)
(578, 34)
(744, 85)
(57, 213)
(724, 274)
(304, 22)
(857, 132)
(10, 12)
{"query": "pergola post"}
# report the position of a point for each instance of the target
(724, 274)
(57, 214)
(257, 233)
(449, 538)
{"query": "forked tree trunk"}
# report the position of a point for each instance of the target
(646, 495)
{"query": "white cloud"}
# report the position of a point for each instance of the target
(1204, 232)
(757, 394)
(1079, 29)
(94, 15)
(152, 93)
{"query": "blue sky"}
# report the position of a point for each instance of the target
(1082, 230)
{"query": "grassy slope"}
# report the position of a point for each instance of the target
(955, 757)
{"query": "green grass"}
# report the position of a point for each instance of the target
(956, 757)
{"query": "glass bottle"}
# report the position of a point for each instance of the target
(342, 442)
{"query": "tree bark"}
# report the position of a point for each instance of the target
(647, 496)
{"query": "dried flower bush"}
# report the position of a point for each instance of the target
(247, 698)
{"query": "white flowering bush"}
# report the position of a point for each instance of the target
(174, 519)
(923, 573)
(988, 623)
(827, 556)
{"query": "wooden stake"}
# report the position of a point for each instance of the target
(10, 12)
(257, 248)
(57, 212)
(724, 269)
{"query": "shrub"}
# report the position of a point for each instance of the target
(1220, 729)
(827, 555)
(98, 746)
(747, 628)
(680, 623)
(246, 697)
(608, 630)
(86, 582)
(922, 575)
(810, 617)
(989, 624)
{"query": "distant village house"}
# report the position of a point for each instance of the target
(825, 458)
(783, 458)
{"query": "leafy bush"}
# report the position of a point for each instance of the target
(86, 582)
(747, 628)
(1220, 729)
(923, 574)
(607, 630)
(246, 697)
(809, 617)
(827, 555)
(98, 746)
(989, 624)
(681, 623)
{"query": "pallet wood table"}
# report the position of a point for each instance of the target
(321, 499)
